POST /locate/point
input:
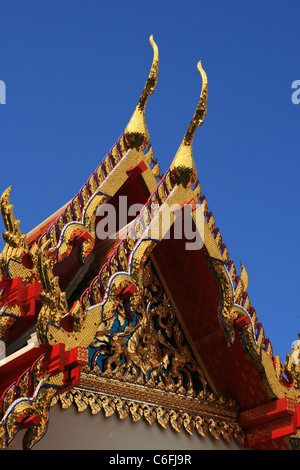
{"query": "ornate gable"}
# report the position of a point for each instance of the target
(143, 367)
(137, 323)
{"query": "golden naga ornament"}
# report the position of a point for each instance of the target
(183, 166)
(136, 133)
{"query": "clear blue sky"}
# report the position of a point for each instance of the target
(74, 71)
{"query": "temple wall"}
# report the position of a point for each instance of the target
(70, 430)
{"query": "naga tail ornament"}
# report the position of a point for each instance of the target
(11, 224)
(15, 242)
(136, 133)
(183, 168)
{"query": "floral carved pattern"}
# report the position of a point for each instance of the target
(203, 423)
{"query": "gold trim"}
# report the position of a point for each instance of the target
(165, 408)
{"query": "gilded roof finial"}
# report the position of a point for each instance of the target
(183, 167)
(11, 224)
(136, 133)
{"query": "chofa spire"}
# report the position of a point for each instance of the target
(136, 133)
(183, 167)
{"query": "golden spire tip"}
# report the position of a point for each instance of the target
(183, 166)
(136, 132)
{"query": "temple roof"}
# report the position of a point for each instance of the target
(142, 307)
